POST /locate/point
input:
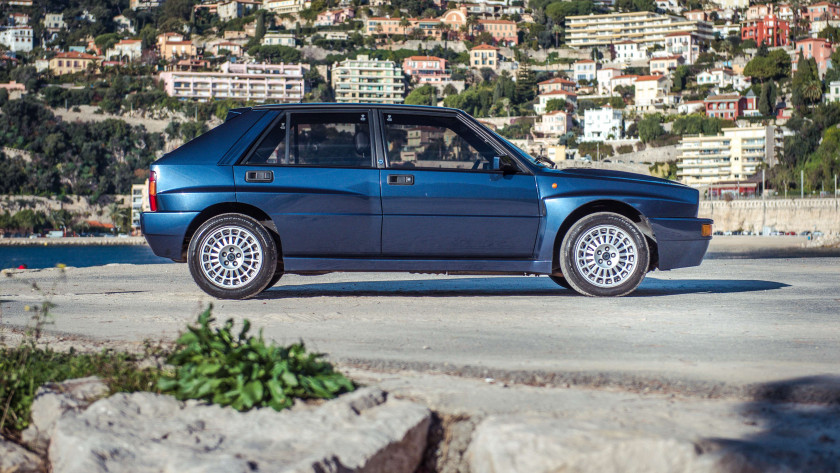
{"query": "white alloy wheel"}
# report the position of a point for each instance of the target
(605, 255)
(231, 257)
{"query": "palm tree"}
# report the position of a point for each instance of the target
(404, 23)
(812, 91)
(556, 29)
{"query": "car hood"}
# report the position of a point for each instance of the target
(609, 174)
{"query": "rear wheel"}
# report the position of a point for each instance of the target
(604, 254)
(232, 256)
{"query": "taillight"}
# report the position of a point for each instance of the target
(152, 192)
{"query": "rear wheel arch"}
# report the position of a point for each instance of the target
(232, 208)
(611, 206)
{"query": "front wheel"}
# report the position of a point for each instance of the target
(232, 256)
(604, 254)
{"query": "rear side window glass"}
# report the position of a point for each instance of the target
(272, 149)
(330, 139)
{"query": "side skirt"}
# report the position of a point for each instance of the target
(448, 266)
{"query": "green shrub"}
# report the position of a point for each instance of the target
(243, 372)
(26, 367)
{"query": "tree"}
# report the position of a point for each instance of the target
(526, 84)
(775, 65)
(764, 105)
(680, 78)
(830, 33)
(555, 104)
(424, 95)
(650, 128)
(259, 30)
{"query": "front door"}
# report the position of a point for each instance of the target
(314, 174)
(441, 196)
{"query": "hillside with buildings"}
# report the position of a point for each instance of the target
(731, 97)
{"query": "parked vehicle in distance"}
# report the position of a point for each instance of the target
(317, 188)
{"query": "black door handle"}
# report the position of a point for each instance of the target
(259, 176)
(400, 179)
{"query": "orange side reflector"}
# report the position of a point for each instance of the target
(706, 230)
(554, 186)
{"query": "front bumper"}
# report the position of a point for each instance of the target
(680, 241)
(165, 231)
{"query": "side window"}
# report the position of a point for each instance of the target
(272, 149)
(330, 139)
(436, 142)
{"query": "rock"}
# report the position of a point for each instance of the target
(144, 432)
(54, 400)
(16, 459)
(537, 444)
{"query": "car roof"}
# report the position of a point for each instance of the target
(352, 105)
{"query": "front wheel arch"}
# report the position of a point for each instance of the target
(609, 206)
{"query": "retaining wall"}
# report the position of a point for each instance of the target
(796, 215)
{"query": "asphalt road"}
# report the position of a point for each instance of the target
(713, 330)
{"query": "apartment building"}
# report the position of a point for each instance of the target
(483, 56)
(818, 48)
(735, 153)
(604, 76)
(502, 31)
(145, 4)
(17, 38)
(651, 92)
(665, 64)
(585, 70)
(629, 51)
(72, 62)
(557, 83)
(368, 80)
(603, 124)
(646, 28)
(769, 30)
(821, 9)
(556, 123)
(54, 22)
(228, 10)
(385, 26)
(683, 43)
(139, 203)
(281, 7)
(732, 106)
(279, 39)
(276, 83)
(427, 69)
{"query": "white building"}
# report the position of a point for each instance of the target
(279, 39)
(585, 70)
(604, 77)
(124, 24)
(740, 4)
(718, 77)
(54, 21)
(286, 6)
(603, 124)
(833, 92)
(126, 49)
(684, 44)
(368, 80)
(17, 38)
(556, 123)
(628, 80)
(651, 92)
(542, 99)
(629, 51)
(734, 154)
(281, 83)
(647, 28)
(230, 9)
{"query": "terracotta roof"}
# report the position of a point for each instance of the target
(556, 80)
(76, 55)
(484, 47)
(722, 98)
(646, 78)
(424, 58)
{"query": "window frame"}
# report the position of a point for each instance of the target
(498, 147)
(286, 117)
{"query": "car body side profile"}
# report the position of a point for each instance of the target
(318, 188)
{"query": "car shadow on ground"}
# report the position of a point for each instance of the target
(504, 286)
(799, 429)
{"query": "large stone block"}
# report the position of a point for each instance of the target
(143, 432)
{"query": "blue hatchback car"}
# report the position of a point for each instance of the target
(317, 188)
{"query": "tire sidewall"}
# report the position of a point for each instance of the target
(264, 275)
(570, 271)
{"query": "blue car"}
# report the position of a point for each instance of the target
(317, 188)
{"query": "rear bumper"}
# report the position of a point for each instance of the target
(680, 242)
(164, 231)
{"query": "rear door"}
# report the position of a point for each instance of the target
(441, 196)
(313, 172)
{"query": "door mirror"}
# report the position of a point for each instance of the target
(504, 164)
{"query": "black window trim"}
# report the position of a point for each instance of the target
(490, 140)
(287, 116)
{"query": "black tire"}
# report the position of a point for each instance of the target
(243, 274)
(274, 279)
(561, 281)
(616, 236)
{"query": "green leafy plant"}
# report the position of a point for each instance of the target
(243, 372)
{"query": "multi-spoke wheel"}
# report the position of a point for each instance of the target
(604, 254)
(232, 256)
